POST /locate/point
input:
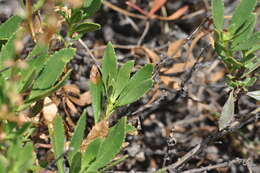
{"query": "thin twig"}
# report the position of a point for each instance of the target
(220, 165)
(215, 135)
(90, 53)
(146, 29)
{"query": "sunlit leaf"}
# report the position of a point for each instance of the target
(227, 113)
(254, 94)
(57, 140)
(218, 13)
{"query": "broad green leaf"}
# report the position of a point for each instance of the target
(78, 136)
(254, 94)
(90, 7)
(140, 76)
(53, 69)
(228, 112)
(90, 153)
(85, 27)
(123, 78)
(218, 13)
(246, 31)
(96, 96)
(110, 147)
(248, 44)
(109, 66)
(8, 28)
(241, 14)
(135, 93)
(76, 163)
(57, 140)
(7, 53)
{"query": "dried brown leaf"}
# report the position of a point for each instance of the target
(83, 100)
(174, 48)
(154, 57)
(99, 130)
(157, 4)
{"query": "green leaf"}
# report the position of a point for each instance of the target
(76, 16)
(109, 66)
(248, 44)
(122, 78)
(8, 28)
(241, 14)
(135, 93)
(96, 96)
(85, 27)
(142, 75)
(7, 53)
(227, 113)
(38, 94)
(78, 136)
(76, 163)
(254, 94)
(90, 153)
(57, 141)
(90, 7)
(110, 147)
(129, 128)
(218, 13)
(53, 69)
(251, 66)
(35, 61)
(246, 31)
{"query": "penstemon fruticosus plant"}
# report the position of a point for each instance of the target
(236, 45)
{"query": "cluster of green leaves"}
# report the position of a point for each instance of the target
(99, 152)
(76, 19)
(236, 45)
(116, 87)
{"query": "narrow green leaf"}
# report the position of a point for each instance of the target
(123, 78)
(85, 27)
(135, 93)
(53, 69)
(227, 113)
(38, 94)
(218, 13)
(140, 76)
(246, 31)
(241, 14)
(76, 163)
(91, 153)
(254, 94)
(96, 96)
(90, 7)
(8, 28)
(26, 158)
(57, 141)
(78, 136)
(3, 163)
(248, 44)
(35, 61)
(110, 147)
(252, 66)
(109, 66)
(7, 53)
